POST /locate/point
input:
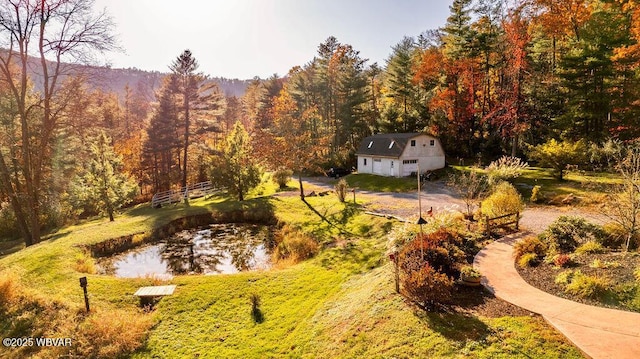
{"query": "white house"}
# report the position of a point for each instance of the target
(398, 154)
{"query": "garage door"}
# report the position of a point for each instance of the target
(377, 166)
(409, 167)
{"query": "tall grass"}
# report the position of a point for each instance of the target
(293, 246)
(9, 289)
(104, 333)
(111, 333)
(84, 263)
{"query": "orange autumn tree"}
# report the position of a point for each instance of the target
(289, 142)
(510, 115)
(427, 75)
(561, 19)
(630, 52)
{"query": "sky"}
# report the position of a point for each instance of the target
(247, 38)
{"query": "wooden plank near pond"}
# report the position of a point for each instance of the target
(387, 216)
(155, 291)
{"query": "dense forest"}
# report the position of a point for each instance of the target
(498, 77)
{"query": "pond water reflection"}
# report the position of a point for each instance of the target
(217, 249)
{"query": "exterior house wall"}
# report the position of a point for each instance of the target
(426, 151)
(383, 166)
(365, 164)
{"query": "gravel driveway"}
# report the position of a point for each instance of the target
(438, 196)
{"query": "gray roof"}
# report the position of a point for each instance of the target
(379, 145)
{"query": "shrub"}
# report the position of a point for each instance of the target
(281, 177)
(602, 157)
(426, 286)
(449, 219)
(442, 251)
(562, 260)
(564, 278)
(341, 189)
(448, 222)
(293, 245)
(400, 235)
(528, 260)
(600, 264)
(566, 233)
(428, 266)
(535, 194)
(559, 155)
(586, 286)
(530, 244)
(636, 273)
(505, 199)
(506, 168)
(590, 247)
(615, 235)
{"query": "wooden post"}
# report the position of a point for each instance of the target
(83, 284)
(354, 195)
(517, 221)
(488, 229)
(394, 257)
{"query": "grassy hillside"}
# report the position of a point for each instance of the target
(339, 304)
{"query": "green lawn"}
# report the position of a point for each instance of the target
(339, 304)
(370, 182)
(589, 187)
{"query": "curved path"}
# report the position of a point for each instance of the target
(598, 332)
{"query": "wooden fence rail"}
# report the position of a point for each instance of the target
(195, 190)
(489, 222)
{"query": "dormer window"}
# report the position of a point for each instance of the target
(391, 144)
(370, 144)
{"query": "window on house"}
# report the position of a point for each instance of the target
(391, 144)
(364, 161)
(413, 143)
(432, 143)
(370, 144)
(408, 162)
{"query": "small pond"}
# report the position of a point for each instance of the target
(216, 249)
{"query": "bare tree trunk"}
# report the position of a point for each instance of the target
(300, 182)
(56, 28)
(185, 147)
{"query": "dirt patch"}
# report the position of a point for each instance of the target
(478, 301)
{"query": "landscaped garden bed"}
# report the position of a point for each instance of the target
(614, 269)
(580, 261)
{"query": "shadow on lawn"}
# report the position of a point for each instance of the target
(10, 246)
(455, 326)
(348, 212)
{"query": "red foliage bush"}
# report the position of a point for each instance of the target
(562, 260)
(427, 286)
(428, 266)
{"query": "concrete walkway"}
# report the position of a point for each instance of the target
(598, 332)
